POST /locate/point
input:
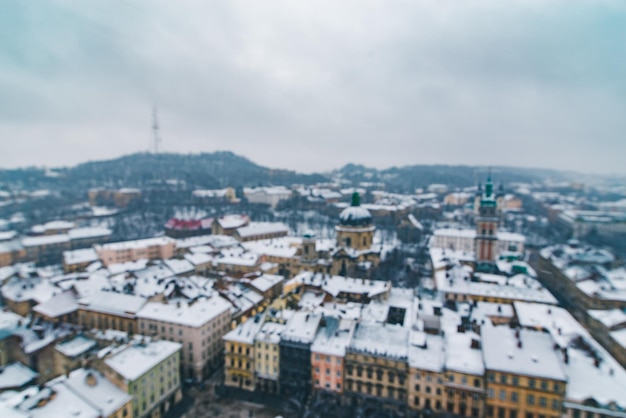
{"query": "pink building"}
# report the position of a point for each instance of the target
(328, 353)
(198, 326)
(125, 251)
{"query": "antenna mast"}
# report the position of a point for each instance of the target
(155, 130)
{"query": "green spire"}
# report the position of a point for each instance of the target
(356, 199)
(489, 185)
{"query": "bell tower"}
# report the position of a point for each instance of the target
(487, 228)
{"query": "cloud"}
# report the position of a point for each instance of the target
(312, 85)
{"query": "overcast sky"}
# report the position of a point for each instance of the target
(312, 85)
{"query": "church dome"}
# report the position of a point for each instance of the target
(355, 215)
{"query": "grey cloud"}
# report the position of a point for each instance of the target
(314, 85)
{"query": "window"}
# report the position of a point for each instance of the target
(515, 381)
(491, 393)
(555, 404)
(427, 389)
(544, 385)
(416, 401)
(514, 397)
(492, 377)
(417, 376)
(503, 379)
(513, 413)
(503, 395)
(451, 378)
(476, 383)
(501, 412)
(530, 399)
(531, 383)
(543, 402)
(464, 380)
(557, 387)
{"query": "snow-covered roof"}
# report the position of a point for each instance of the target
(86, 255)
(92, 232)
(335, 285)
(270, 333)
(10, 320)
(7, 235)
(33, 288)
(333, 337)
(195, 314)
(262, 228)
(246, 332)
(605, 382)
(609, 318)
(76, 346)
(52, 225)
(98, 391)
(61, 402)
(266, 282)
(427, 353)
(460, 356)
(384, 340)
(302, 327)
(113, 303)
(138, 359)
(528, 353)
(15, 375)
(58, 305)
(278, 247)
(140, 243)
(198, 258)
(45, 240)
(233, 221)
(179, 266)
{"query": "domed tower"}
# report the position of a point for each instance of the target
(356, 228)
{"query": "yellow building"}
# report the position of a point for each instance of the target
(376, 367)
(267, 362)
(426, 372)
(110, 310)
(239, 354)
(464, 380)
(525, 376)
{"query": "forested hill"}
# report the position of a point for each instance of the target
(407, 179)
(206, 170)
(222, 169)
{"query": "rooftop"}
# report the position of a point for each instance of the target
(384, 340)
(522, 352)
(93, 387)
(138, 359)
(194, 315)
(302, 327)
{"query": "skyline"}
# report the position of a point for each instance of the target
(314, 86)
